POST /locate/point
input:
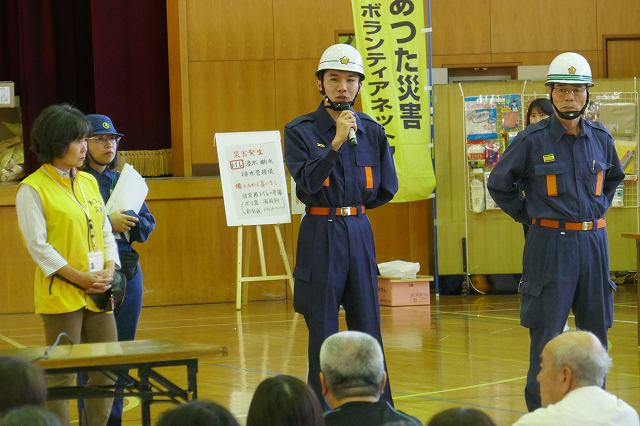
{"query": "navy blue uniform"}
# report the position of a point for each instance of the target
(336, 260)
(128, 313)
(359, 413)
(565, 178)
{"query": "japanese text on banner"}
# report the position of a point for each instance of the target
(389, 37)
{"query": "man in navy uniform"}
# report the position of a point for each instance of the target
(339, 176)
(569, 170)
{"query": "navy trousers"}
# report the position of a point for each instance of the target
(127, 316)
(563, 271)
(336, 265)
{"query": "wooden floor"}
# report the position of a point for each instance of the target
(459, 351)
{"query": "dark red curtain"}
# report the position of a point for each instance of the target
(106, 56)
(130, 68)
(45, 48)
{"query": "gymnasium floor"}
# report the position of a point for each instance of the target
(458, 351)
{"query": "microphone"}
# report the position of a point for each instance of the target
(352, 137)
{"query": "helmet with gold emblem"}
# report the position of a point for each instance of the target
(569, 68)
(341, 57)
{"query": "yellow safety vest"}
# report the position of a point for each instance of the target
(68, 233)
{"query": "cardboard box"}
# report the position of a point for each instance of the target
(404, 292)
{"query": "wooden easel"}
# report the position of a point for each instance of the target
(242, 293)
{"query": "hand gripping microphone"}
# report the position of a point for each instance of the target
(343, 106)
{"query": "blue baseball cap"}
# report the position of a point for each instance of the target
(102, 125)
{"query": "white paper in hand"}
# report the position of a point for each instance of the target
(129, 193)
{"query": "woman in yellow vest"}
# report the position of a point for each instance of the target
(62, 220)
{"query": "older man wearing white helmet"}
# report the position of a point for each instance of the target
(569, 170)
(342, 165)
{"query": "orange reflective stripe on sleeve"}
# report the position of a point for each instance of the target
(326, 182)
(552, 188)
(369, 175)
(599, 181)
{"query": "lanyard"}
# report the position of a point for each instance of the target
(85, 208)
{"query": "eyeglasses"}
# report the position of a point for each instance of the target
(570, 91)
(105, 139)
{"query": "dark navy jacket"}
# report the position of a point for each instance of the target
(368, 414)
(564, 177)
(106, 182)
(355, 175)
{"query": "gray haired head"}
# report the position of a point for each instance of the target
(352, 364)
(583, 354)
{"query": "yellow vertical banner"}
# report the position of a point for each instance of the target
(390, 39)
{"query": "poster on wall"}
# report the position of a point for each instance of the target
(480, 118)
(253, 180)
(510, 108)
(491, 121)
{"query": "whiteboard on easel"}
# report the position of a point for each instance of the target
(253, 180)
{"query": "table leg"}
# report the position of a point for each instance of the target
(145, 403)
(192, 378)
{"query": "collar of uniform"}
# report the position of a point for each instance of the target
(558, 130)
(325, 121)
(107, 173)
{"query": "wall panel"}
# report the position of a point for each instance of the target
(401, 232)
(191, 257)
(450, 166)
(544, 58)
(623, 58)
(450, 61)
(304, 28)
(228, 96)
(617, 17)
(461, 27)
(16, 286)
(543, 26)
(229, 30)
(295, 89)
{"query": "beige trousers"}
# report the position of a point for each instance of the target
(82, 326)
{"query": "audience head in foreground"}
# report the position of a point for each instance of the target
(284, 401)
(461, 417)
(352, 367)
(31, 415)
(572, 372)
(198, 413)
(353, 379)
(22, 383)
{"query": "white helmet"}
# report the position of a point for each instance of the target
(569, 68)
(342, 57)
